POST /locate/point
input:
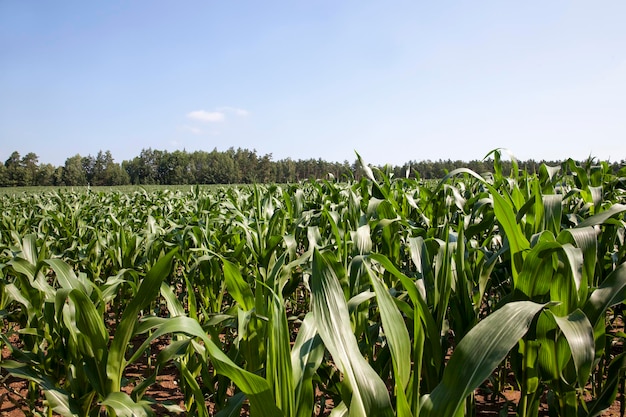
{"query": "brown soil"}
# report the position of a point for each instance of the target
(12, 404)
(13, 391)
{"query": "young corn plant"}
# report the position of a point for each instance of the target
(376, 296)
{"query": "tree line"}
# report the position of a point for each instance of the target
(233, 166)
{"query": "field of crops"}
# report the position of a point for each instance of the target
(379, 297)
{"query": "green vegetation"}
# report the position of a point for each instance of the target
(383, 295)
(240, 166)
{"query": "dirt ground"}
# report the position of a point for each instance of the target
(13, 393)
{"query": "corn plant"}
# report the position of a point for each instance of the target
(374, 296)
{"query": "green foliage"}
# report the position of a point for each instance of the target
(383, 294)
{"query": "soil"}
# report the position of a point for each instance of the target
(13, 392)
(12, 404)
(166, 390)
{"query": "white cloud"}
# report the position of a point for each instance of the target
(235, 110)
(207, 116)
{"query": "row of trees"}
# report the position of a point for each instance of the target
(163, 167)
(229, 167)
(233, 166)
(78, 170)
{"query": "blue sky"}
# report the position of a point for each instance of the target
(394, 80)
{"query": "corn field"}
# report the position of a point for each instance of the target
(378, 297)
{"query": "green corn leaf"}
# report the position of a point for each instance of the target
(579, 335)
(279, 370)
(357, 300)
(233, 406)
(518, 243)
(607, 396)
(550, 171)
(362, 240)
(191, 383)
(398, 339)
(124, 406)
(602, 217)
(545, 333)
(536, 277)
(306, 356)
(59, 400)
(66, 276)
(596, 196)
(147, 292)
(610, 292)
(171, 351)
(110, 288)
(395, 329)
(15, 294)
(552, 204)
(457, 172)
(369, 393)
(574, 257)
(432, 332)
(24, 267)
(366, 169)
(477, 355)
(238, 288)
(585, 239)
(341, 410)
(91, 324)
(256, 388)
(174, 306)
(29, 249)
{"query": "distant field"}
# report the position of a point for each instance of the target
(121, 188)
(132, 188)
